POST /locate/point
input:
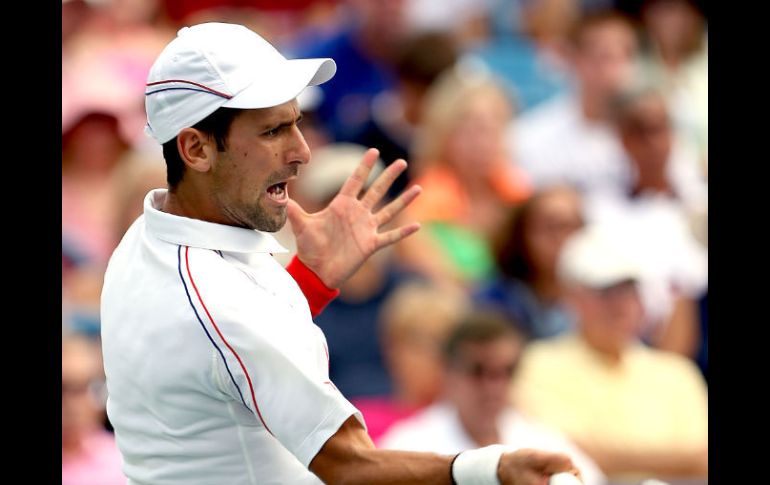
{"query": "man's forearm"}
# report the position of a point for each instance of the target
(389, 467)
(351, 458)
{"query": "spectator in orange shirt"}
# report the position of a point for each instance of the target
(468, 183)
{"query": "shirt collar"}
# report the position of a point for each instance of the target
(201, 234)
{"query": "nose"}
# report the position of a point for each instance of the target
(300, 151)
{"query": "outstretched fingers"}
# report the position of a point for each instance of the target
(387, 213)
(394, 235)
(358, 178)
(380, 186)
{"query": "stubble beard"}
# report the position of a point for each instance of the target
(261, 219)
(254, 215)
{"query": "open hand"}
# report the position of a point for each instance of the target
(336, 241)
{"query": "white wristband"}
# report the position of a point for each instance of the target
(478, 467)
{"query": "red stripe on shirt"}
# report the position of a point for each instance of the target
(248, 377)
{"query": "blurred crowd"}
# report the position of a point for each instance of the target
(556, 295)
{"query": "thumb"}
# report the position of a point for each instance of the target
(297, 216)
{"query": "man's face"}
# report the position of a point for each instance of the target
(610, 318)
(479, 379)
(647, 134)
(264, 150)
(604, 58)
(476, 141)
(554, 218)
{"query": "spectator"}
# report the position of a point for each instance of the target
(364, 48)
(136, 174)
(465, 20)
(526, 288)
(480, 358)
(676, 55)
(663, 162)
(81, 292)
(89, 453)
(569, 139)
(635, 410)
(468, 184)
(528, 48)
(91, 148)
(661, 210)
(415, 321)
(396, 112)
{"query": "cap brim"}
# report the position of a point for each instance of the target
(280, 87)
(612, 282)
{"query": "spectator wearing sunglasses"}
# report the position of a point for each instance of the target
(480, 358)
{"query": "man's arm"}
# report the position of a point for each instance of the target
(349, 457)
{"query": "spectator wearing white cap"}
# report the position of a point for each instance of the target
(635, 410)
(215, 371)
(663, 212)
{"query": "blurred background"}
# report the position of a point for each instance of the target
(556, 296)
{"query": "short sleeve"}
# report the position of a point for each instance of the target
(273, 358)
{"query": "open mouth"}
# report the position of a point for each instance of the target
(278, 192)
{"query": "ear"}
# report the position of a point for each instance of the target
(197, 149)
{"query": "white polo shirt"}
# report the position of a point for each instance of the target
(215, 370)
(438, 429)
(554, 143)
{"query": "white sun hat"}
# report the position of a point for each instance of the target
(214, 65)
(598, 256)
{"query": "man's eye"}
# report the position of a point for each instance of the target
(272, 132)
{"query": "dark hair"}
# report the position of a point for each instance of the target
(422, 57)
(598, 17)
(509, 245)
(217, 124)
(479, 328)
(622, 104)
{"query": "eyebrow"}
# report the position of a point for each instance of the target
(284, 124)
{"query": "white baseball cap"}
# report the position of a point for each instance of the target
(214, 65)
(597, 256)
